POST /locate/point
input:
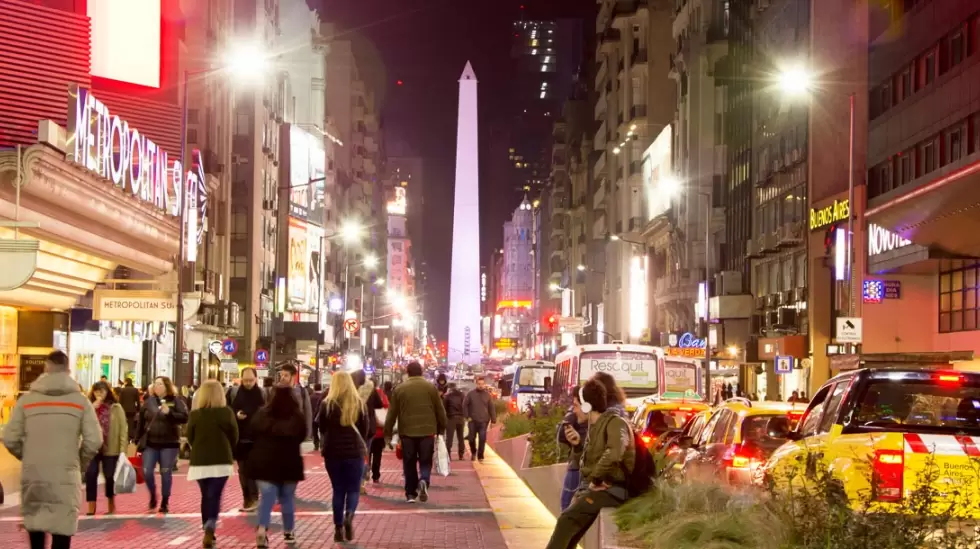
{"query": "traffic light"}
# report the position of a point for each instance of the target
(553, 323)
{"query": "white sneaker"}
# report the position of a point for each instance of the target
(410, 500)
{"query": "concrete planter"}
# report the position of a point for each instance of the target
(514, 452)
(609, 537)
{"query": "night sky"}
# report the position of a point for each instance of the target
(425, 44)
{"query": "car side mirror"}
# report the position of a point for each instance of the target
(685, 442)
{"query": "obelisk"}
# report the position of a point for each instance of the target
(464, 288)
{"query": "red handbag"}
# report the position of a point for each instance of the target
(398, 450)
(137, 462)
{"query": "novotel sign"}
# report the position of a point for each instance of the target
(108, 146)
(881, 240)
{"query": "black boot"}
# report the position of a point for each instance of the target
(349, 527)
(338, 534)
(164, 506)
(153, 504)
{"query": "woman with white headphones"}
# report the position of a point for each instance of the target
(606, 458)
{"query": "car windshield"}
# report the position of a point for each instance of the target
(918, 405)
(755, 432)
(661, 421)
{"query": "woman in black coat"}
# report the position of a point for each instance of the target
(275, 461)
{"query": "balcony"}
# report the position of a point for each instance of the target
(600, 137)
(599, 113)
(635, 224)
(599, 168)
(599, 198)
(753, 248)
(790, 234)
(609, 38)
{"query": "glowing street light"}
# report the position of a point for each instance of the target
(670, 185)
(246, 61)
(795, 80)
(581, 268)
(350, 231)
(555, 287)
(371, 261)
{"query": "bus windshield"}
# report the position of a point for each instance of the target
(635, 372)
(531, 378)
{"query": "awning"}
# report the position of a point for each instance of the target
(943, 213)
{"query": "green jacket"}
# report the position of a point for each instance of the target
(416, 406)
(118, 439)
(609, 452)
(212, 434)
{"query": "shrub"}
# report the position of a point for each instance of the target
(500, 405)
(515, 425)
(545, 449)
(814, 514)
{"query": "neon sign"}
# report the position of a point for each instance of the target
(108, 146)
(881, 240)
(689, 341)
(838, 211)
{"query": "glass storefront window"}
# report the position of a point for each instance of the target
(84, 371)
(958, 286)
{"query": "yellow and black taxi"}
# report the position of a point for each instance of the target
(735, 441)
(882, 434)
(660, 421)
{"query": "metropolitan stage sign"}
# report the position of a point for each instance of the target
(138, 305)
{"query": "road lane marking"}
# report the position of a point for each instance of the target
(179, 541)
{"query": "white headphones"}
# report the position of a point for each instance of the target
(586, 407)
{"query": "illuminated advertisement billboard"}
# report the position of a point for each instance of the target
(126, 40)
(305, 265)
(398, 206)
(307, 161)
(656, 168)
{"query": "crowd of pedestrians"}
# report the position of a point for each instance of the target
(256, 430)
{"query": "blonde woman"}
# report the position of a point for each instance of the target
(212, 432)
(343, 429)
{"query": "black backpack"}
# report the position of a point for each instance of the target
(640, 479)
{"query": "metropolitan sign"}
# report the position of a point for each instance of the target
(138, 305)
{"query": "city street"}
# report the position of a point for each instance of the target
(457, 516)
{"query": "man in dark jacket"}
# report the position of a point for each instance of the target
(129, 399)
(316, 399)
(442, 384)
(418, 410)
(478, 406)
(455, 417)
(246, 400)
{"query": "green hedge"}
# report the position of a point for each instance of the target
(706, 514)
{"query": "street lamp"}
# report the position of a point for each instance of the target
(794, 81)
(245, 61)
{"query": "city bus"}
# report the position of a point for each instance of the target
(531, 382)
(642, 371)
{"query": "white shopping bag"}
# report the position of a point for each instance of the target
(442, 456)
(125, 476)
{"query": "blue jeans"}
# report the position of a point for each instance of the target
(285, 492)
(569, 487)
(345, 479)
(108, 464)
(211, 489)
(167, 459)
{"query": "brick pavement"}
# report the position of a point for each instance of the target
(456, 516)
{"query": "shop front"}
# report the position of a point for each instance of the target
(785, 367)
(77, 206)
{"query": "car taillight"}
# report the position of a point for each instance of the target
(889, 468)
(949, 379)
(647, 438)
(739, 457)
(513, 403)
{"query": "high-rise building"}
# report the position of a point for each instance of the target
(255, 177)
(636, 101)
(518, 283)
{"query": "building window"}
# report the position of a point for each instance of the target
(905, 84)
(239, 266)
(906, 173)
(885, 97)
(954, 145)
(958, 296)
(801, 270)
(927, 68)
(192, 136)
(957, 48)
(239, 225)
(929, 158)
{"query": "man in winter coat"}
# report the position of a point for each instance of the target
(246, 400)
(478, 406)
(455, 417)
(316, 400)
(418, 410)
(43, 433)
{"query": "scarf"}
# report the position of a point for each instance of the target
(105, 418)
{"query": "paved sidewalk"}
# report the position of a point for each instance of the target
(457, 516)
(524, 521)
